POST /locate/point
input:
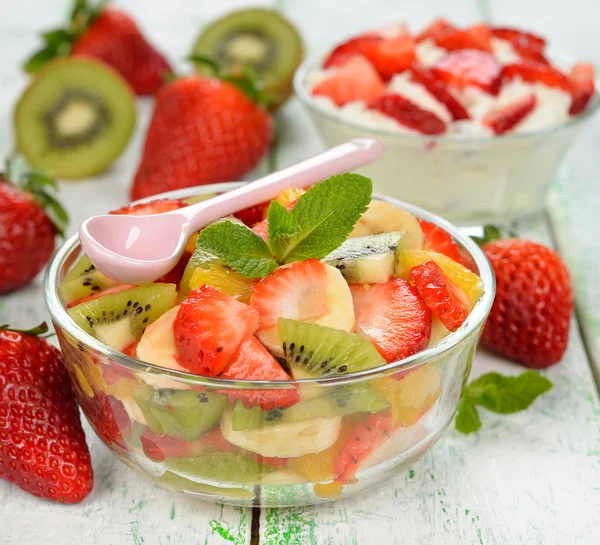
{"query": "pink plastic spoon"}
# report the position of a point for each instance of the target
(140, 249)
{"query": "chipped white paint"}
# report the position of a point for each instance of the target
(524, 479)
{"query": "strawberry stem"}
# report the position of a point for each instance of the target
(36, 331)
(490, 233)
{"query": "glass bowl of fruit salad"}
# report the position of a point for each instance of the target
(325, 369)
(475, 120)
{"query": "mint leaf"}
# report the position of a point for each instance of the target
(508, 394)
(326, 215)
(238, 247)
(467, 418)
(282, 229)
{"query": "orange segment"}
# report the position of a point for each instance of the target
(224, 279)
(331, 491)
(191, 243)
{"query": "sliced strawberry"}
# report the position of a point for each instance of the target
(356, 46)
(438, 89)
(473, 37)
(357, 79)
(251, 216)
(410, 115)
(108, 416)
(435, 30)
(175, 275)
(445, 299)
(130, 351)
(272, 461)
(368, 434)
(509, 116)
(209, 328)
(440, 241)
(153, 207)
(393, 317)
(296, 292)
(470, 67)
(582, 86)
(534, 72)
(393, 55)
(252, 361)
(160, 448)
(113, 289)
(527, 45)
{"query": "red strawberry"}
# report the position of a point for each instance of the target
(393, 317)
(534, 72)
(160, 448)
(474, 37)
(27, 231)
(410, 115)
(368, 434)
(582, 86)
(528, 45)
(435, 30)
(251, 216)
(203, 131)
(393, 55)
(509, 116)
(252, 361)
(445, 299)
(109, 418)
(112, 36)
(209, 328)
(470, 67)
(357, 79)
(438, 240)
(529, 321)
(438, 89)
(356, 46)
(42, 444)
(158, 206)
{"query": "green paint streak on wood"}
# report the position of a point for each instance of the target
(467, 512)
(240, 535)
(137, 538)
(289, 527)
(172, 511)
(411, 474)
(218, 528)
(137, 508)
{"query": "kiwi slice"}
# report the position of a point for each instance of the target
(75, 118)
(367, 260)
(83, 280)
(337, 402)
(119, 319)
(260, 39)
(313, 350)
(186, 414)
(222, 467)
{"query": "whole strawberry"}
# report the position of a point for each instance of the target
(42, 444)
(30, 218)
(203, 130)
(529, 321)
(112, 36)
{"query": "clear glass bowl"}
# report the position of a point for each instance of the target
(166, 424)
(469, 181)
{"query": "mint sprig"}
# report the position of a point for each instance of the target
(500, 394)
(320, 221)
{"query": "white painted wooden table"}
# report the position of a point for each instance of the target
(531, 478)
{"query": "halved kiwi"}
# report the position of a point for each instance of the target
(83, 280)
(260, 39)
(75, 118)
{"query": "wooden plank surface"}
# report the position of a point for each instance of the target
(528, 478)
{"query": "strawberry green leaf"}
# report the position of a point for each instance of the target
(467, 418)
(508, 394)
(282, 229)
(38, 59)
(34, 331)
(238, 247)
(326, 215)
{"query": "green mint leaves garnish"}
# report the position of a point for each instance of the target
(500, 394)
(320, 221)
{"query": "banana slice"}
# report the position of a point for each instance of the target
(284, 440)
(383, 217)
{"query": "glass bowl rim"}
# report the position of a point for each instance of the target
(474, 321)
(301, 91)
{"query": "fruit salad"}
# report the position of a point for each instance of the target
(478, 81)
(265, 364)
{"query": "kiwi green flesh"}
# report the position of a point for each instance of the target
(258, 38)
(340, 401)
(313, 350)
(186, 414)
(225, 467)
(199, 258)
(119, 319)
(75, 118)
(367, 260)
(177, 482)
(83, 280)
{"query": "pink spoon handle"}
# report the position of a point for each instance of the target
(342, 158)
